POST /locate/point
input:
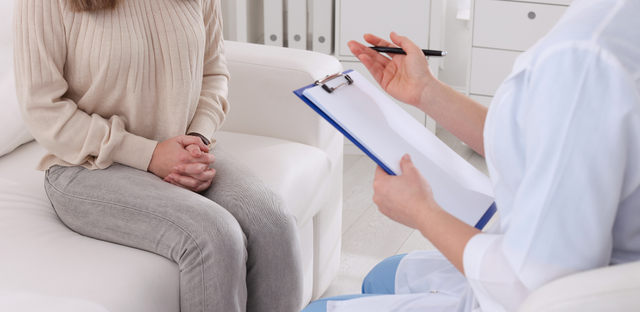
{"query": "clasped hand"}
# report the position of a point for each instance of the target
(184, 161)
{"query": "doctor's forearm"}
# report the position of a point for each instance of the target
(456, 112)
(448, 234)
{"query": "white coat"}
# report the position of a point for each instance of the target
(562, 144)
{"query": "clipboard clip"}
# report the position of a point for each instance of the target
(322, 82)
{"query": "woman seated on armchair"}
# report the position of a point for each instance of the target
(125, 95)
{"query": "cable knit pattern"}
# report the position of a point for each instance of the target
(102, 87)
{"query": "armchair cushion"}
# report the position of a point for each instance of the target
(48, 259)
(612, 288)
(301, 174)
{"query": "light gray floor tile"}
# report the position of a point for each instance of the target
(349, 160)
(357, 191)
(373, 238)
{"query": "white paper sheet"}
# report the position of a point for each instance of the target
(388, 132)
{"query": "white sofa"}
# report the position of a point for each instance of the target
(44, 266)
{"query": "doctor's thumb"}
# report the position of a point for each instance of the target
(405, 161)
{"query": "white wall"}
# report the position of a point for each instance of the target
(457, 38)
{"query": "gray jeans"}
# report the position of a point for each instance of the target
(236, 244)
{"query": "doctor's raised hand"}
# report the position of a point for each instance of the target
(405, 77)
(408, 79)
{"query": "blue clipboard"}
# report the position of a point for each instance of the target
(479, 225)
(337, 126)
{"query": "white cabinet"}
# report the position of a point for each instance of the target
(502, 30)
(354, 18)
(420, 20)
(512, 25)
(489, 67)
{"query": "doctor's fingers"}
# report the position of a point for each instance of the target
(378, 42)
(376, 63)
(406, 44)
(358, 49)
(411, 177)
(381, 180)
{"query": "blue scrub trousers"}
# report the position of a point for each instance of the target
(380, 281)
(382, 278)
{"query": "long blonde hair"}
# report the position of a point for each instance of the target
(92, 5)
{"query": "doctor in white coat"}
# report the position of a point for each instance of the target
(562, 144)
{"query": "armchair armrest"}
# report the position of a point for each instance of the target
(261, 97)
(612, 288)
(262, 103)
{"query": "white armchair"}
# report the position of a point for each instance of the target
(268, 128)
(613, 288)
(261, 89)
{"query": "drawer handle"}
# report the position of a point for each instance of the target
(531, 15)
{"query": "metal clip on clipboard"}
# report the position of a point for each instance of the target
(322, 82)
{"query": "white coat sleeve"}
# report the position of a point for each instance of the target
(580, 108)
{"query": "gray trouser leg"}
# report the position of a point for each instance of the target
(274, 267)
(208, 241)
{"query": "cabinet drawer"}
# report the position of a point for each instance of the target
(489, 68)
(482, 99)
(512, 25)
(558, 2)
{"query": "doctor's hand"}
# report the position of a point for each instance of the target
(177, 162)
(406, 199)
(405, 77)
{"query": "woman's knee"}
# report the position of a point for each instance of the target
(214, 235)
(257, 207)
(274, 218)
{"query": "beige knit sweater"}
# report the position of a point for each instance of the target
(102, 87)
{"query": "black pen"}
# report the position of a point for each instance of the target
(400, 51)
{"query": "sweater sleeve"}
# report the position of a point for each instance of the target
(56, 122)
(212, 105)
(578, 132)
